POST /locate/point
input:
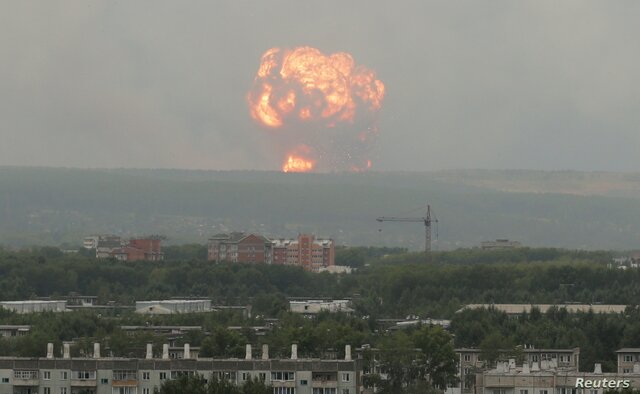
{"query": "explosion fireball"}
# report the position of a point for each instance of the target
(321, 108)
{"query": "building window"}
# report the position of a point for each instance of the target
(284, 390)
(245, 376)
(125, 375)
(262, 376)
(146, 391)
(524, 391)
(544, 392)
(500, 391)
(46, 390)
(303, 382)
(283, 376)
(163, 375)
(83, 375)
(628, 358)
(146, 375)
(626, 370)
(46, 375)
(346, 377)
(64, 375)
(104, 381)
(5, 380)
(345, 391)
(466, 371)
(63, 390)
(467, 357)
(593, 391)
(124, 390)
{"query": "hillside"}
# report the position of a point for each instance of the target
(54, 206)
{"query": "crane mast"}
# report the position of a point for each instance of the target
(427, 220)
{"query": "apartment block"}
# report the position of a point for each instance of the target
(628, 359)
(98, 375)
(307, 251)
(239, 247)
(544, 371)
(470, 362)
(134, 249)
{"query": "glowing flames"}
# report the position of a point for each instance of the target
(297, 164)
(304, 93)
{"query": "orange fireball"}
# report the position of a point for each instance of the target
(304, 86)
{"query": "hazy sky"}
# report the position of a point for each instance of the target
(470, 84)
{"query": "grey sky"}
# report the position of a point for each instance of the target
(470, 84)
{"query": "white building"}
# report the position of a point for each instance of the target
(34, 306)
(167, 307)
(312, 307)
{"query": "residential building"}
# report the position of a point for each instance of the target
(134, 249)
(111, 375)
(137, 249)
(628, 359)
(105, 245)
(547, 377)
(307, 251)
(470, 363)
(239, 247)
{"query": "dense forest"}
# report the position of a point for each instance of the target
(390, 283)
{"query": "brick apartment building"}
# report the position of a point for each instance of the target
(135, 249)
(305, 251)
(239, 247)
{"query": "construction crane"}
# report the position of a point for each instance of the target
(427, 226)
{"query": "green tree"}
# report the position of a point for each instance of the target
(436, 357)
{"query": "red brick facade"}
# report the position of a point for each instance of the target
(305, 251)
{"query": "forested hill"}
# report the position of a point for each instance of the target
(55, 206)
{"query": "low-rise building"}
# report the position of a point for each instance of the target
(312, 307)
(166, 307)
(336, 269)
(34, 306)
(8, 330)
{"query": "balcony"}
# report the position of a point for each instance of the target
(26, 378)
(124, 379)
